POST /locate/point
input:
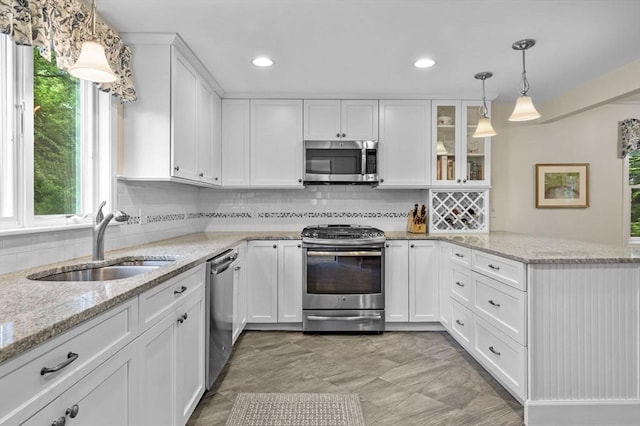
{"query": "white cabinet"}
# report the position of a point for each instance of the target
(236, 142)
(411, 281)
(396, 281)
(340, 119)
(423, 281)
(239, 291)
(274, 281)
(276, 143)
(171, 351)
(458, 158)
(173, 131)
(104, 397)
(404, 151)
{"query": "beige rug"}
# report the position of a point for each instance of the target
(296, 409)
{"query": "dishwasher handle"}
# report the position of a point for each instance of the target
(222, 262)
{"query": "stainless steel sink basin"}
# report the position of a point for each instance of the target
(117, 271)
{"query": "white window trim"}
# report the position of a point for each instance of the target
(628, 240)
(97, 127)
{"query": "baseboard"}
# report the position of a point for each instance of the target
(592, 413)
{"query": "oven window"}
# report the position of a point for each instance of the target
(339, 274)
(339, 161)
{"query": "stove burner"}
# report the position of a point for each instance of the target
(342, 235)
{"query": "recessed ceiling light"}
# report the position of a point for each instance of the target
(262, 61)
(424, 63)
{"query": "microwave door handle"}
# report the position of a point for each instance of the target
(363, 166)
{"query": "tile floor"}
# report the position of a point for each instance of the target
(403, 378)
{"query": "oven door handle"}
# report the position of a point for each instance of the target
(354, 318)
(344, 253)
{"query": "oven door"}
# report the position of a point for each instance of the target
(343, 278)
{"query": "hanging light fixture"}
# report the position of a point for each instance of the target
(484, 129)
(524, 110)
(92, 63)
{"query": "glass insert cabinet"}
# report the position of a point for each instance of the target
(458, 157)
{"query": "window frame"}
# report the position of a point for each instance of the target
(96, 131)
(626, 206)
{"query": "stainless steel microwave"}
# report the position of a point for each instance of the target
(335, 162)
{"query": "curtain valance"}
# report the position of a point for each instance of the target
(62, 25)
(628, 136)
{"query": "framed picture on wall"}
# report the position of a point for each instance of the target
(562, 185)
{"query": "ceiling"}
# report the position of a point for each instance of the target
(366, 48)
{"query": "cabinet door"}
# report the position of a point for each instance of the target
(396, 281)
(157, 388)
(190, 352)
(476, 151)
(446, 119)
(289, 281)
(262, 282)
(236, 131)
(239, 300)
(444, 284)
(104, 397)
(404, 149)
(423, 281)
(359, 120)
(184, 131)
(322, 120)
(276, 142)
(208, 152)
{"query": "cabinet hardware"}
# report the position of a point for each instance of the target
(201, 174)
(412, 245)
(176, 168)
(182, 318)
(381, 180)
(495, 268)
(459, 284)
(344, 135)
(299, 180)
(182, 290)
(337, 135)
(386, 245)
(460, 255)
(299, 245)
(458, 180)
(460, 323)
(464, 180)
(491, 302)
(275, 246)
(60, 421)
(494, 351)
(70, 358)
(73, 411)
(237, 268)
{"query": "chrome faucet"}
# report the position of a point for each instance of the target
(100, 226)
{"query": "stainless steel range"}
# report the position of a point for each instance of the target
(343, 279)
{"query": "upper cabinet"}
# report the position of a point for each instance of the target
(405, 149)
(458, 157)
(276, 143)
(236, 142)
(173, 131)
(340, 119)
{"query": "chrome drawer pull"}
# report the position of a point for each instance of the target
(495, 268)
(182, 290)
(460, 255)
(70, 358)
(491, 302)
(73, 411)
(459, 284)
(182, 318)
(494, 351)
(459, 323)
(60, 421)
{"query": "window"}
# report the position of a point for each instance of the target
(53, 167)
(634, 196)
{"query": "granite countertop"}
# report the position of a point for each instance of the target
(35, 311)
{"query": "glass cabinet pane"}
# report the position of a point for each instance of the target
(475, 170)
(446, 142)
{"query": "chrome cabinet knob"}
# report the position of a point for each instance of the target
(412, 245)
(215, 178)
(337, 135)
(60, 421)
(201, 174)
(73, 411)
(458, 180)
(275, 246)
(344, 135)
(176, 168)
(299, 180)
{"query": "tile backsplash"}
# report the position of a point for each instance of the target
(165, 210)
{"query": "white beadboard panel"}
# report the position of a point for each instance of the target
(584, 332)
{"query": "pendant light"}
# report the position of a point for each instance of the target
(524, 110)
(92, 63)
(484, 129)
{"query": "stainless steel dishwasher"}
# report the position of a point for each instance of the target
(219, 314)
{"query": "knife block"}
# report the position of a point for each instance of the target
(415, 228)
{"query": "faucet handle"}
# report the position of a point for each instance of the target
(99, 215)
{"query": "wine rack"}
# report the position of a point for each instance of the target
(452, 211)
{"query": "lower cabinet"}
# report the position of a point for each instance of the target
(171, 352)
(411, 281)
(274, 281)
(239, 291)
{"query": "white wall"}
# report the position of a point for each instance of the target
(586, 137)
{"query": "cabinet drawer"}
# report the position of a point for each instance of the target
(25, 389)
(158, 301)
(506, 270)
(461, 255)
(502, 306)
(505, 359)
(462, 325)
(461, 285)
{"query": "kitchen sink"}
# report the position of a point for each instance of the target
(116, 271)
